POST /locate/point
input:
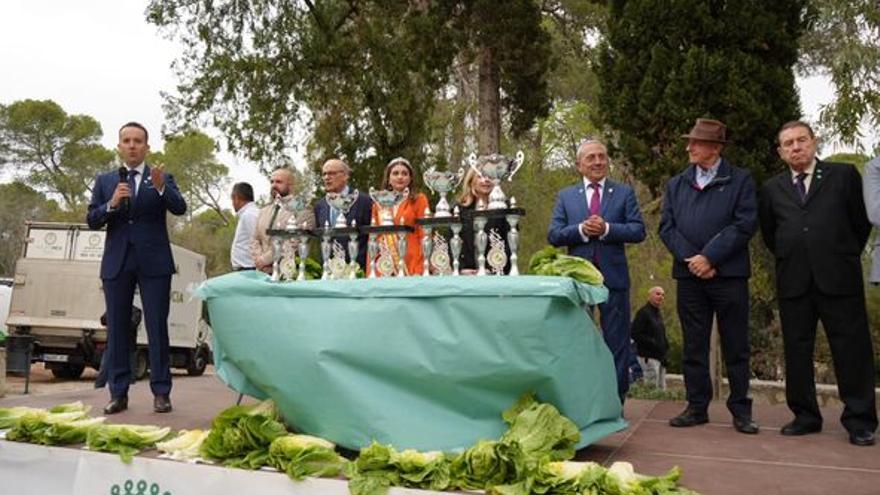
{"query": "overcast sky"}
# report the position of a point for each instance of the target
(101, 58)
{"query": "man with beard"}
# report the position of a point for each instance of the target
(275, 215)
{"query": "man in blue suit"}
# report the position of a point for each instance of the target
(595, 219)
(132, 202)
(709, 214)
(335, 174)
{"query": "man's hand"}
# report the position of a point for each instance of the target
(122, 191)
(157, 176)
(699, 265)
(593, 226)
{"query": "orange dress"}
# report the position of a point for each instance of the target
(409, 210)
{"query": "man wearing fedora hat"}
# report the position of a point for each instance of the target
(709, 215)
(813, 220)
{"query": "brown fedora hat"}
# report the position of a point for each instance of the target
(708, 130)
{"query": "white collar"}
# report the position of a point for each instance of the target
(249, 205)
(587, 183)
(809, 170)
(140, 169)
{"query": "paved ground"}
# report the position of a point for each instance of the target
(715, 458)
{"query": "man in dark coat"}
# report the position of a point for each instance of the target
(709, 215)
(595, 219)
(814, 222)
(649, 334)
(133, 204)
(335, 174)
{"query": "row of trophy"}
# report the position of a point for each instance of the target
(441, 255)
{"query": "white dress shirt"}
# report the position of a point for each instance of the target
(240, 254)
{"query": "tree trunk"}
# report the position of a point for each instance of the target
(489, 101)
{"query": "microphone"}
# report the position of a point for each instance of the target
(123, 177)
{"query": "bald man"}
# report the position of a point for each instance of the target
(273, 216)
(649, 333)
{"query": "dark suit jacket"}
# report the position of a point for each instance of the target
(823, 238)
(619, 209)
(361, 212)
(716, 221)
(142, 227)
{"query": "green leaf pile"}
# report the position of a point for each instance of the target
(304, 455)
(10, 415)
(46, 428)
(552, 261)
(240, 435)
(125, 440)
(379, 467)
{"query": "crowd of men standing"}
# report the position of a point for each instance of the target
(814, 220)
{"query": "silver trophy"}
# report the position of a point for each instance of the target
(496, 167)
(442, 183)
(342, 203)
(427, 246)
(513, 238)
(455, 244)
(353, 251)
(387, 200)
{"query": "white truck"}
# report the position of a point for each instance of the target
(57, 297)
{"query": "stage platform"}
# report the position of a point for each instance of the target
(715, 458)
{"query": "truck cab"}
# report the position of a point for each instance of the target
(58, 299)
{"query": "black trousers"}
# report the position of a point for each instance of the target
(698, 301)
(845, 320)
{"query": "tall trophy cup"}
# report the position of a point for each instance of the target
(442, 183)
(387, 200)
(496, 167)
(342, 203)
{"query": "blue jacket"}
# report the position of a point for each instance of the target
(619, 209)
(717, 221)
(141, 228)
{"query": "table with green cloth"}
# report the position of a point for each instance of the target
(427, 363)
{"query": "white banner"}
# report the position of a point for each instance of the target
(27, 469)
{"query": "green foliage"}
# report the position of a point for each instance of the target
(50, 150)
(206, 234)
(19, 203)
(843, 42)
(552, 261)
(203, 181)
(241, 435)
(663, 64)
(125, 440)
(303, 455)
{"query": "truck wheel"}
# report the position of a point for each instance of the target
(198, 360)
(69, 371)
(141, 364)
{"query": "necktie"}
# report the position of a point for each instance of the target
(595, 200)
(801, 185)
(595, 209)
(132, 184)
(274, 215)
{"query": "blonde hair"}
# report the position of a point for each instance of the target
(467, 196)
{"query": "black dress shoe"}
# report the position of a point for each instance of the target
(862, 438)
(745, 425)
(116, 405)
(797, 428)
(162, 404)
(690, 417)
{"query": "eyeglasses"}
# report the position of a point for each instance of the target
(331, 173)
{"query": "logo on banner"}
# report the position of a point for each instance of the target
(141, 488)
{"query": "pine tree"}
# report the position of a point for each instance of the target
(663, 64)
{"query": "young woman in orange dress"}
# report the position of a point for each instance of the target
(398, 177)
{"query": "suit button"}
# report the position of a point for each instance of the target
(131, 222)
(806, 229)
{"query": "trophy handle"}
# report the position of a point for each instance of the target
(472, 162)
(426, 181)
(459, 176)
(518, 162)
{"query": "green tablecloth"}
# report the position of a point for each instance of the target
(424, 363)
